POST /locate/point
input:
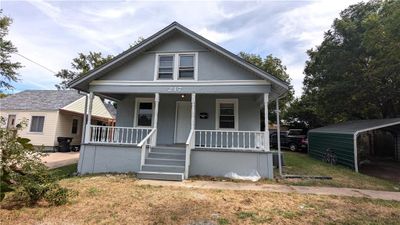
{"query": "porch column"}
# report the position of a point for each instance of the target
(278, 136)
(84, 119)
(89, 117)
(156, 103)
(193, 114)
(266, 132)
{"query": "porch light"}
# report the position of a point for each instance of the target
(182, 96)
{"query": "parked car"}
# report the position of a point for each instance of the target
(294, 140)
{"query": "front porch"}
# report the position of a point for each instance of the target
(166, 128)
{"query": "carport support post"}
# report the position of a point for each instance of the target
(278, 136)
(266, 131)
(89, 118)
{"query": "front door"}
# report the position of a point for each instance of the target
(182, 121)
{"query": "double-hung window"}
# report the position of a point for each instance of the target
(74, 129)
(176, 66)
(144, 112)
(37, 124)
(186, 66)
(227, 114)
(166, 67)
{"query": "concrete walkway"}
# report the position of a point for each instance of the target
(59, 159)
(349, 192)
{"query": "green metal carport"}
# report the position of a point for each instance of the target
(343, 139)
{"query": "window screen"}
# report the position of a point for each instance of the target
(227, 115)
(145, 113)
(37, 124)
(186, 66)
(166, 67)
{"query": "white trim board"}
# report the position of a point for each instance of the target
(179, 82)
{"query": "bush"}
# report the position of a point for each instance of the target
(23, 172)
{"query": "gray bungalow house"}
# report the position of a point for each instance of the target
(185, 107)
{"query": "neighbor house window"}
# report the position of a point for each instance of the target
(37, 123)
(186, 66)
(165, 67)
(176, 66)
(144, 112)
(227, 114)
(74, 129)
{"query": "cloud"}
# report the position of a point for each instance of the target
(52, 33)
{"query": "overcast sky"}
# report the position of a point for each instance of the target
(53, 32)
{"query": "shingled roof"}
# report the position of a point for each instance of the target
(39, 100)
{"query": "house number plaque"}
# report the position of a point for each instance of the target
(175, 89)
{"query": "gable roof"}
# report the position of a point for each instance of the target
(39, 100)
(81, 82)
(352, 127)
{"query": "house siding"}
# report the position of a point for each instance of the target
(98, 108)
(47, 137)
(211, 66)
(64, 127)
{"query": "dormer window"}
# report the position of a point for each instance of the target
(166, 67)
(176, 66)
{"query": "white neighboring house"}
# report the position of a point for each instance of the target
(51, 114)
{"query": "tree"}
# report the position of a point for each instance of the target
(355, 72)
(80, 66)
(273, 66)
(8, 68)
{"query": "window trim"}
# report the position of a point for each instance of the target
(30, 124)
(175, 71)
(135, 117)
(235, 103)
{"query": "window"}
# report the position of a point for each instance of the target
(11, 121)
(227, 114)
(176, 66)
(186, 66)
(37, 123)
(144, 112)
(165, 67)
(74, 129)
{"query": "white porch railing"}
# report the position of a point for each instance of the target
(190, 144)
(147, 143)
(116, 135)
(220, 139)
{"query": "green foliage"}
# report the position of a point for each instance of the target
(80, 66)
(354, 73)
(273, 66)
(22, 171)
(8, 69)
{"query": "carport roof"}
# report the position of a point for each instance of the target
(356, 126)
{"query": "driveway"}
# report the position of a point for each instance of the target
(59, 159)
(386, 169)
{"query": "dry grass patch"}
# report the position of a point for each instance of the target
(118, 199)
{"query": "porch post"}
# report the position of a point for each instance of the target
(89, 118)
(156, 103)
(84, 120)
(266, 132)
(193, 114)
(278, 136)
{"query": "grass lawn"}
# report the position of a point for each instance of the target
(118, 199)
(302, 164)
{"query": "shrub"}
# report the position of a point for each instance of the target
(23, 172)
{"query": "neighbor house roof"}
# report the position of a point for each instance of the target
(81, 83)
(111, 109)
(352, 127)
(39, 100)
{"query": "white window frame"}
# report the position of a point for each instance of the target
(30, 124)
(235, 103)
(137, 102)
(175, 71)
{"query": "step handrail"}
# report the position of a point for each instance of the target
(144, 143)
(189, 146)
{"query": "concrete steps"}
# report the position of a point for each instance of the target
(164, 163)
